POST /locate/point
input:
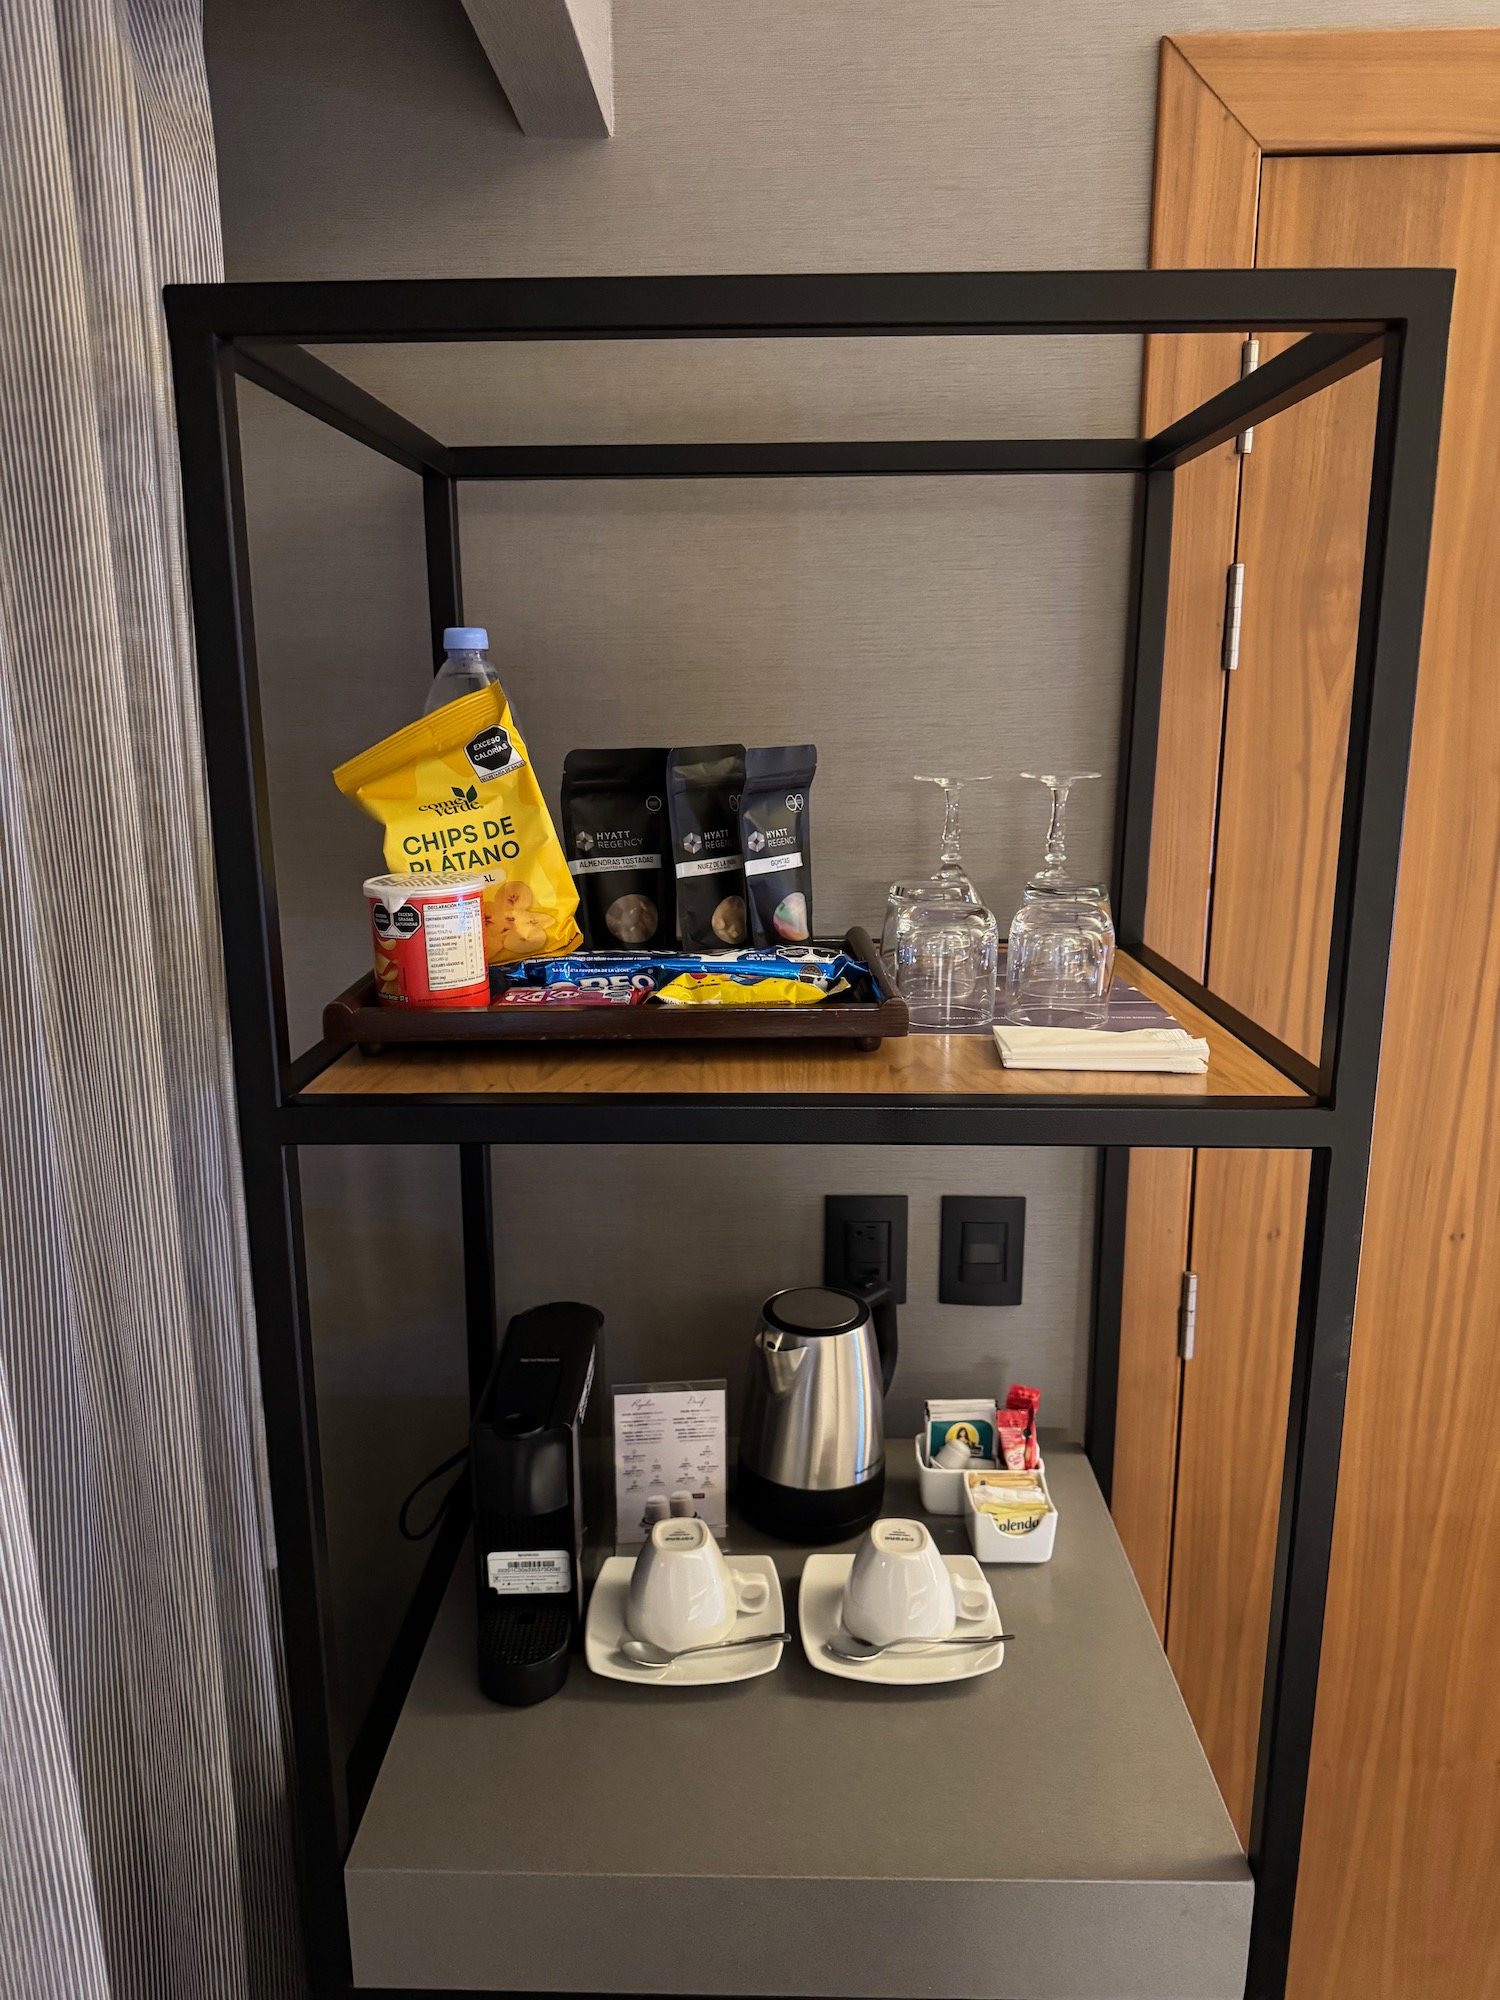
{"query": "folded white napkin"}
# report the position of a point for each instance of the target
(1170, 1050)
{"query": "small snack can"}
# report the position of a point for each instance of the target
(428, 932)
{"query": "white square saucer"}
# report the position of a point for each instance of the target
(604, 1628)
(820, 1612)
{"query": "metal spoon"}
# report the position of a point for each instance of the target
(846, 1647)
(641, 1653)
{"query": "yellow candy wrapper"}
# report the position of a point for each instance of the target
(456, 795)
(722, 989)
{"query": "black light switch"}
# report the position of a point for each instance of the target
(981, 1250)
(984, 1237)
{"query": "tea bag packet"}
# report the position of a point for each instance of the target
(615, 833)
(456, 795)
(704, 783)
(969, 1420)
(776, 839)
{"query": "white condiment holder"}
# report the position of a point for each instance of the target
(941, 1486)
(992, 1544)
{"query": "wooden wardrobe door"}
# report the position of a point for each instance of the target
(1249, 1210)
(1401, 1846)
(1182, 371)
(1402, 1843)
(1304, 501)
(1144, 1485)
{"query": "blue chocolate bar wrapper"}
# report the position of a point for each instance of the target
(609, 968)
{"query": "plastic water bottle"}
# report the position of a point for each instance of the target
(466, 669)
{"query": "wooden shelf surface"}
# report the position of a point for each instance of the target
(913, 1066)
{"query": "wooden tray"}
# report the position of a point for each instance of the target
(866, 1015)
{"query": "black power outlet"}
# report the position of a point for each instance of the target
(984, 1238)
(864, 1242)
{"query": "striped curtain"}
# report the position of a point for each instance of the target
(144, 1843)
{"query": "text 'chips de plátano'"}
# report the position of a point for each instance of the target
(456, 795)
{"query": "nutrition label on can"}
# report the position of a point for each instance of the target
(455, 944)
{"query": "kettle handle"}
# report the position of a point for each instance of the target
(883, 1312)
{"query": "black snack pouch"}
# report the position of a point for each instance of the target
(776, 840)
(614, 829)
(703, 798)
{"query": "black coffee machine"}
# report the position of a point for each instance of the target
(536, 1465)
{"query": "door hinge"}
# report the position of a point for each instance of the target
(1244, 444)
(1234, 601)
(1187, 1315)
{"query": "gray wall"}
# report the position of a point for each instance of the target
(900, 626)
(681, 1244)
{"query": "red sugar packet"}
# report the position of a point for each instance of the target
(1021, 1400)
(1011, 1438)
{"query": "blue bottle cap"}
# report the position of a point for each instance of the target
(466, 639)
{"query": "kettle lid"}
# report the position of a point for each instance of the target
(815, 1309)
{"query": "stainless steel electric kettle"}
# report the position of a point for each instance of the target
(812, 1438)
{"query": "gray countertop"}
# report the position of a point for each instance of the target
(1047, 1831)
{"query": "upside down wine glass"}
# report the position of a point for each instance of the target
(1060, 957)
(949, 880)
(947, 944)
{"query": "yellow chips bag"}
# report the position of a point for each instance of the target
(456, 795)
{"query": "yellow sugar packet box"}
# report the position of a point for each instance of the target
(456, 795)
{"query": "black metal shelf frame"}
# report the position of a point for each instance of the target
(1348, 319)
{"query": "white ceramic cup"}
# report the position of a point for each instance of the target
(899, 1588)
(683, 1593)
